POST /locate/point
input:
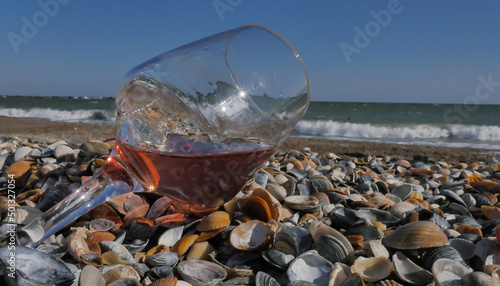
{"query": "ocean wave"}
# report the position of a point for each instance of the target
(421, 131)
(81, 115)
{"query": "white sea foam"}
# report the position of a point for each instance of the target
(422, 131)
(80, 115)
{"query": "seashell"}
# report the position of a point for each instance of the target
(111, 258)
(402, 191)
(264, 279)
(291, 239)
(31, 195)
(434, 218)
(99, 236)
(372, 269)
(445, 251)
(335, 248)
(137, 212)
(141, 229)
(168, 281)
(368, 232)
(201, 273)
(490, 213)
(206, 235)
(277, 258)
(21, 172)
(183, 245)
(258, 208)
(120, 272)
(410, 272)
(251, 235)
(486, 247)
(464, 247)
(171, 236)
(339, 274)
(467, 220)
(158, 208)
(33, 267)
(377, 248)
(382, 201)
(416, 235)
(162, 259)
(157, 249)
(310, 267)
(213, 221)
(105, 211)
(119, 249)
(376, 215)
(452, 197)
(51, 197)
(467, 229)
(90, 276)
(469, 200)
(479, 279)
(481, 200)
(343, 217)
(23, 215)
(171, 220)
(101, 225)
(448, 272)
(200, 251)
(399, 210)
(277, 191)
(319, 183)
(302, 203)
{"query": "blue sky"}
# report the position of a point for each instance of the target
(429, 51)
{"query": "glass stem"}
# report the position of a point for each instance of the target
(97, 190)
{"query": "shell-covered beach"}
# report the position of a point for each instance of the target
(319, 212)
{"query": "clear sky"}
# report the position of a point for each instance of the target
(428, 51)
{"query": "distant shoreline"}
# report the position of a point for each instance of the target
(45, 130)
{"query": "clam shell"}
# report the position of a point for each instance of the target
(90, 276)
(101, 225)
(372, 269)
(376, 215)
(445, 251)
(464, 247)
(310, 267)
(200, 251)
(410, 272)
(119, 249)
(33, 267)
(302, 203)
(162, 259)
(120, 272)
(201, 273)
(479, 279)
(416, 235)
(448, 272)
(168, 281)
(291, 239)
(264, 279)
(399, 210)
(258, 208)
(491, 213)
(158, 208)
(183, 245)
(334, 249)
(215, 220)
(171, 236)
(251, 235)
(486, 247)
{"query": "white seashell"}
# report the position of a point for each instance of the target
(448, 272)
(372, 269)
(410, 272)
(400, 209)
(310, 267)
(201, 273)
(171, 236)
(21, 153)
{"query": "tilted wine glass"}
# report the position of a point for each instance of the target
(194, 124)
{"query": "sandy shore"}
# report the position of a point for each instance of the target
(45, 130)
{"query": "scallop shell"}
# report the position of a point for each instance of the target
(310, 267)
(416, 235)
(215, 220)
(251, 235)
(201, 273)
(372, 269)
(410, 272)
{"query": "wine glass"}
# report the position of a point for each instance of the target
(194, 124)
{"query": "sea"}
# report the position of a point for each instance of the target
(454, 125)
